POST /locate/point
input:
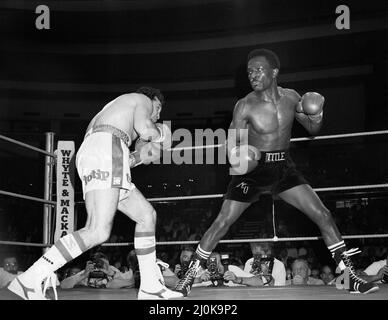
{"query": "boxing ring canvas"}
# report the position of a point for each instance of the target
(222, 293)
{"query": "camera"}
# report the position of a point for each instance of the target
(98, 264)
(262, 265)
(215, 277)
(225, 261)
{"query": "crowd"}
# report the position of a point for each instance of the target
(259, 264)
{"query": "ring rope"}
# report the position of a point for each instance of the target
(356, 134)
(123, 244)
(22, 196)
(371, 186)
(27, 146)
(18, 243)
(325, 137)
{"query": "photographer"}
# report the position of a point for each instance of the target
(376, 272)
(184, 259)
(99, 274)
(213, 275)
(263, 269)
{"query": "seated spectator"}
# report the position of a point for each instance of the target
(184, 261)
(315, 273)
(213, 275)
(376, 272)
(301, 274)
(327, 275)
(260, 270)
(98, 273)
(302, 253)
(288, 274)
(9, 271)
(292, 252)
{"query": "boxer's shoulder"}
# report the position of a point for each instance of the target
(290, 93)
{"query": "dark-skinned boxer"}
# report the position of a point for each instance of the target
(258, 150)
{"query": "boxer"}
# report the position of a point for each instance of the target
(104, 165)
(260, 162)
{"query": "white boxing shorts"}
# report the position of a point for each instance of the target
(102, 162)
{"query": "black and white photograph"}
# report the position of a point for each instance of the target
(194, 158)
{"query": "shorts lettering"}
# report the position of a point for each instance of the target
(96, 174)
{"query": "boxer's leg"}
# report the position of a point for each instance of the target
(101, 206)
(304, 198)
(136, 207)
(229, 213)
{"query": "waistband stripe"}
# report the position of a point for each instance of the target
(110, 129)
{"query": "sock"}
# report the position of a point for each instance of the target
(146, 255)
(202, 255)
(64, 250)
(336, 250)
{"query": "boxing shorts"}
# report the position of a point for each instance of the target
(274, 173)
(102, 160)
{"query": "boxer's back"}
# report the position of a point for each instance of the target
(118, 113)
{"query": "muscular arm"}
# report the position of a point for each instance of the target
(254, 281)
(311, 124)
(142, 122)
(238, 129)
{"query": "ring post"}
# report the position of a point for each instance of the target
(48, 179)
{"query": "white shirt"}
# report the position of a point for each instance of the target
(374, 268)
(278, 271)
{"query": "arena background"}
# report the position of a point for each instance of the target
(195, 52)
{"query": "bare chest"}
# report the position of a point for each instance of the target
(267, 117)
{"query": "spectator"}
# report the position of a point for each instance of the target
(184, 261)
(263, 269)
(301, 274)
(315, 273)
(213, 275)
(327, 275)
(292, 252)
(98, 273)
(9, 271)
(376, 272)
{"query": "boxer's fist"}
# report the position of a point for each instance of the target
(243, 159)
(165, 135)
(149, 152)
(312, 103)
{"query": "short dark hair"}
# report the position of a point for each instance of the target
(152, 93)
(271, 56)
(188, 248)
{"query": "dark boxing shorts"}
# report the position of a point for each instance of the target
(274, 173)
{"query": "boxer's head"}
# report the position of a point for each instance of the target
(157, 99)
(263, 67)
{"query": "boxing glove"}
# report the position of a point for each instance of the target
(312, 105)
(243, 159)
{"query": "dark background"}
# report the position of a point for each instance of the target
(195, 52)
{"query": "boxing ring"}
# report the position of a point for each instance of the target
(198, 293)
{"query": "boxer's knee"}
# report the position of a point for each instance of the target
(324, 217)
(95, 235)
(148, 218)
(221, 226)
